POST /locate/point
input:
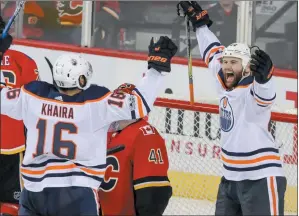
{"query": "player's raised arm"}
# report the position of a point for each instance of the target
(137, 101)
(263, 89)
(209, 46)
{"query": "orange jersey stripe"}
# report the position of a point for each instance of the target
(213, 50)
(261, 102)
(251, 161)
(139, 102)
(61, 167)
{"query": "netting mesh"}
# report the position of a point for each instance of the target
(192, 139)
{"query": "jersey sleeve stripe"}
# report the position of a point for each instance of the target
(251, 161)
(62, 102)
(246, 154)
(13, 150)
(60, 168)
(143, 100)
(151, 181)
(151, 184)
(211, 58)
(139, 105)
(262, 101)
(60, 175)
(261, 98)
(212, 53)
(210, 47)
(246, 169)
(47, 162)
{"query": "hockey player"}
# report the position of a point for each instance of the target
(136, 181)
(253, 182)
(17, 69)
(65, 156)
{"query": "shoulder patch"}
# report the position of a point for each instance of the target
(147, 130)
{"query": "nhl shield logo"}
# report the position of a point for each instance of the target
(226, 115)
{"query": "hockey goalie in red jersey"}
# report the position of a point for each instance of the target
(136, 181)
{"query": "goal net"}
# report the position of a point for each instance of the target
(192, 137)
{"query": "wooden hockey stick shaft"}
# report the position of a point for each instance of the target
(190, 72)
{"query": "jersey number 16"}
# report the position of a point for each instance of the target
(58, 144)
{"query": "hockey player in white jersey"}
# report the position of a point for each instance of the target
(253, 182)
(67, 126)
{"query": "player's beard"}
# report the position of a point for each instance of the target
(232, 79)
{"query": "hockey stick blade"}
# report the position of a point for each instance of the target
(12, 18)
(115, 149)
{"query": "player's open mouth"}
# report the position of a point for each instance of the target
(229, 77)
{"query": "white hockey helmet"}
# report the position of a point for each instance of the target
(238, 50)
(68, 68)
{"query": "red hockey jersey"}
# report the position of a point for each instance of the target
(142, 164)
(17, 69)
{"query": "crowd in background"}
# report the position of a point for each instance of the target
(116, 27)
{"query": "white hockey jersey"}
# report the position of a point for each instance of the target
(67, 135)
(248, 148)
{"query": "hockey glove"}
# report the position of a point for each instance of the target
(161, 53)
(196, 14)
(261, 66)
(6, 42)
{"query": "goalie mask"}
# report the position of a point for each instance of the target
(69, 68)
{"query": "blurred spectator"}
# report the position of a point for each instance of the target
(107, 30)
(60, 21)
(224, 15)
(276, 28)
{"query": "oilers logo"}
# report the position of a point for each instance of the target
(226, 115)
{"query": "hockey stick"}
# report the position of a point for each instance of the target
(51, 69)
(12, 18)
(190, 73)
(115, 149)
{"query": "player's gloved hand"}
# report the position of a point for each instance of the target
(261, 66)
(161, 53)
(6, 42)
(196, 14)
